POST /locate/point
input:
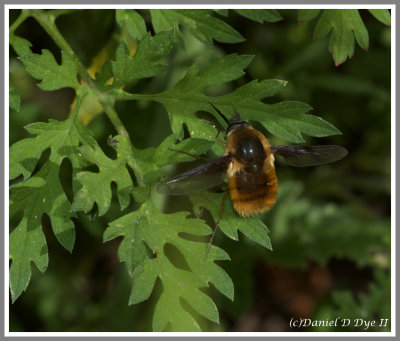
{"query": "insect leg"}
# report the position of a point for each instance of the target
(192, 155)
(209, 122)
(219, 130)
(218, 139)
(216, 225)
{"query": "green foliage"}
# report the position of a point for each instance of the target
(375, 303)
(383, 15)
(269, 15)
(147, 227)
(146, 61)
(15, 100)
(53, 76)
(345, 26)
(200, 23)
(371, 306)
(253, 228)
(96, 187)
(41, 194)
(20, 45)
(133, 22)
(362, 239)
(164, 247)
(286, 120)
(307, 14)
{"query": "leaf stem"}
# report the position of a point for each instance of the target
(57, 12)
(24, 14)
(47, 21)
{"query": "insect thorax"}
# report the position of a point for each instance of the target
(248, 150)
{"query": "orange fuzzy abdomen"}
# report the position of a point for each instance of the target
(253, 193)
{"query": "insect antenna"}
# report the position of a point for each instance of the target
(235, 111)
(216, 225)
(236, 116)
(219, 112)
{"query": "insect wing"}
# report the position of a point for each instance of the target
(303, 156)
(202, 177)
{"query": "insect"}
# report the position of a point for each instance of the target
(248, 162)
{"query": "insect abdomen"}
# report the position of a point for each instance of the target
(253, 193)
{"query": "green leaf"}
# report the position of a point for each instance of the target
(199, 22)
(53, 76)
(41, 194)
(221, 11)
(260, 15)
(149, 230)
(304, 15)
(146, 62)
(298, 228)
(344, 25)
(187, 96)
(373, 305)
(61, 137)
(96, 187)
(133, 22)
(27, 243)
(141, 194)
(230, 223)
(169, 152)
(14, 99)
(150, 160)
(383, 15)
(105, 73)
(21, 46)
(286, 120)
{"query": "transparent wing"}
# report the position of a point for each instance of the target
(303, 156)
(202, 177)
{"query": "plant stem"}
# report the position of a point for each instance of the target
(57, 12)
(47, 21)
(24, 14)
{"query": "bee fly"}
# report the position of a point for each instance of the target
(248, 162)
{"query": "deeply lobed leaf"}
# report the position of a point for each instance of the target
(286, 120)
(41, 194)
(230, 223)
(60, 137)
(53, 76)
(148, 228)
(345, 25)
(96, 187)
(146, 62)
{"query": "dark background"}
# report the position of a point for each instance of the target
(330, 229)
